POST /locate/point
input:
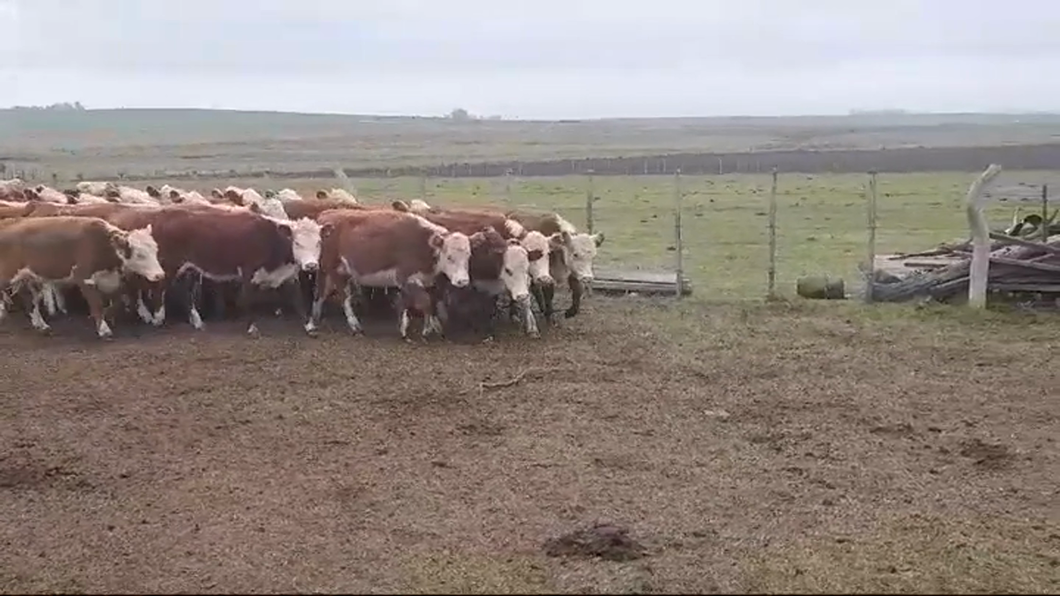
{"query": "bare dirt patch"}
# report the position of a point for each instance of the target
(921, 455)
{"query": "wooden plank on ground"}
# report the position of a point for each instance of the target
(643, 282)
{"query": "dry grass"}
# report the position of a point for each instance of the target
(784, 447)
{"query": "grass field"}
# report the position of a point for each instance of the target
(750, 447)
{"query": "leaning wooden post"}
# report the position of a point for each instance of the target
(771, 291)
(980, 268)
(589, 203)
(423, 185)
(508, 187)
(871, 201)
(678, 241)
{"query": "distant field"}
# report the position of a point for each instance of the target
(137, 143)
(821, 219)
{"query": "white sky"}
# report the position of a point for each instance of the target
(539, 59)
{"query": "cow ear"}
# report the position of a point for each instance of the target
(326, 230)
(217, 194)
(321, 194)
(152, 192)
(437, 241)
(31, 195)
(400, 206)
(286, 232)
(120, 240)
(598, 238)
(555, 241)
(174, 194)
(566, 237)
(535, 254)
(255, 208)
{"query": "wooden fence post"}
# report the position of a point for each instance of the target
(871, 224)
(678, 240)
(589, 203)
(980, 268)
(771, 291)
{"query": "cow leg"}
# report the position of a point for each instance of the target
(35, 317)
(529, 320)
(296, 292)
(246, 303)
(548, 309)
(576, 290)
(95, 307)
(194, 298)
(346, 292)
(537, 291)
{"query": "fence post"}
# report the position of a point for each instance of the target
(871, 201)
(678, 240)
(771, 292)
(979, 270)
(589, 203)
(508, 187)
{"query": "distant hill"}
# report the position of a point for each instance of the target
(99, 143)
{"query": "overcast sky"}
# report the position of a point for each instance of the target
(561, 58)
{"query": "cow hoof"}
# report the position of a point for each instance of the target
(253, 331)
(489, 339)
(570, 313)
(534, 335)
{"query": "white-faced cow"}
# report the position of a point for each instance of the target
(85, 251)
(385, 249)
(570, 260)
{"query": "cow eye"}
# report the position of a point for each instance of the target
(508, 271)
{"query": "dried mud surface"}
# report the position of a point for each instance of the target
(743, 450)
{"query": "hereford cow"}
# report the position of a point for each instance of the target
(536, 245)
(384, 249)
(570, 260)
(95, 188)
(45, 194)
(221, 245)
(337, 194)
(312, 208)
(85, 251)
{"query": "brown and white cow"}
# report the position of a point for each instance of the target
(85, 251)
(312, 208)
(96, 188)
(337, 194)
(221, 245)
(571, 257)
(510, 272)
(385, 249)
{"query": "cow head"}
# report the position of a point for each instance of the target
(537, 249)
(515, 274)
(579, 250)
(305, 242)
(322, 194)
(453, 251)
(138, 252)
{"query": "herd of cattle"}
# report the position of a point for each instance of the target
(139, 251)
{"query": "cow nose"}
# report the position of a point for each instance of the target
(461, 282)
(157, 277)
(546, 280)
(310, 266)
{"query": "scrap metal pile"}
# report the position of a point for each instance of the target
(1020, 262)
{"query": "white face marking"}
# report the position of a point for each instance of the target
(539, 269)
(579, 250)
(453, 259)
(306, 243)
(144, 259)
(515, 273)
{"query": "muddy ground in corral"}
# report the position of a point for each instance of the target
(745, 448)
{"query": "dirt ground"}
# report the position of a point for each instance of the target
(745, 448)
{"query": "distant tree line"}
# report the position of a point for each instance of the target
(55, 107)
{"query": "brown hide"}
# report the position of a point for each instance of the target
(59, 247)
(487, 254)
(468, 221)
(377, 240)
(312, 208)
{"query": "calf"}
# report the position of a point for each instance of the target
(570, 260)
(85, 251)
(384, 249)
(466, 309)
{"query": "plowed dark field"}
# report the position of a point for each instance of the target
(746, 448)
